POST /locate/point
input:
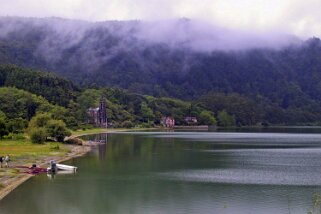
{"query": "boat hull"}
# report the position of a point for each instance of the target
(66, 167)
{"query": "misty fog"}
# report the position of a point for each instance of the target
(176, 33)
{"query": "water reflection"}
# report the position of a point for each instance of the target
(183, 173)
(60, 173)
(102, 151)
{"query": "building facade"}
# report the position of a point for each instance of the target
(168, 122)
(191, 120)
(98, 116)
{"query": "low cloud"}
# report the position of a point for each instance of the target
(61, 34)
(295, 17)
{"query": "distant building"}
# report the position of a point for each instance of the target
(98, 116)
(191, 120)
(168, 122)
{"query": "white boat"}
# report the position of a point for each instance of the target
(54, 167)
(66, 167)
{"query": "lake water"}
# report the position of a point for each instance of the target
(183, 172)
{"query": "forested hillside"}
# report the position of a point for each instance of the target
(274, 85)
(42, 92)
(55, 89)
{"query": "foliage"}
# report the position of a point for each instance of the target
(12, 136)
(127, 124)
(19, 106)
(3, 129)
(207, 118)
(245, 110)
(87, 99)
(38, 135)
(57, 129)
(146, 112)
(40, 121)
(16, 103)
(2, 115)
(225, 119)
(55, 89)
(67, 115)
(171, 107)
(17, 125)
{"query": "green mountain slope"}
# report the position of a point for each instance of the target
(55, 89)
(282, 86)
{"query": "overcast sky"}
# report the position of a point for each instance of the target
(298, 17)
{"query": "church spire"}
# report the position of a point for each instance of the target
(102, 112)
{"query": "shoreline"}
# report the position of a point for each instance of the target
(13, 183)
(76, 151)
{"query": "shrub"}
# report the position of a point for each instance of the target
(206, 118)
(2, 115)
(85, 126)
(8, 136)
(19, 136)
(145, 125)
(127, 124)
(17, 125)
(39, 121)
(54, 129)
(226, 119)
(3, 129)
(38, 135)
(12, 136)
(57, 129)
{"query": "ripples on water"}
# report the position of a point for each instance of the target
(185, 172)
(287, 159)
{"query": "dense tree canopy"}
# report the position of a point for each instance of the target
(20, 109)
(55, 89)
(43, 126)
(17, 103)
(123, 106)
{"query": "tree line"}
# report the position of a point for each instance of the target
(35, 108)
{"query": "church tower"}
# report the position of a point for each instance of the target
(102, 113)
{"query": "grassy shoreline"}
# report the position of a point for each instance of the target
(24, 153)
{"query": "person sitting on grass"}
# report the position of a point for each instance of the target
(7, 159)
(1, 160)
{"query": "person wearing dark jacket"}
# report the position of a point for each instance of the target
(1, 160)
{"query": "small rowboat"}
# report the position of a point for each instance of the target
(54, 167)
(66, 167)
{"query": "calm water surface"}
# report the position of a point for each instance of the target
(182, 172)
